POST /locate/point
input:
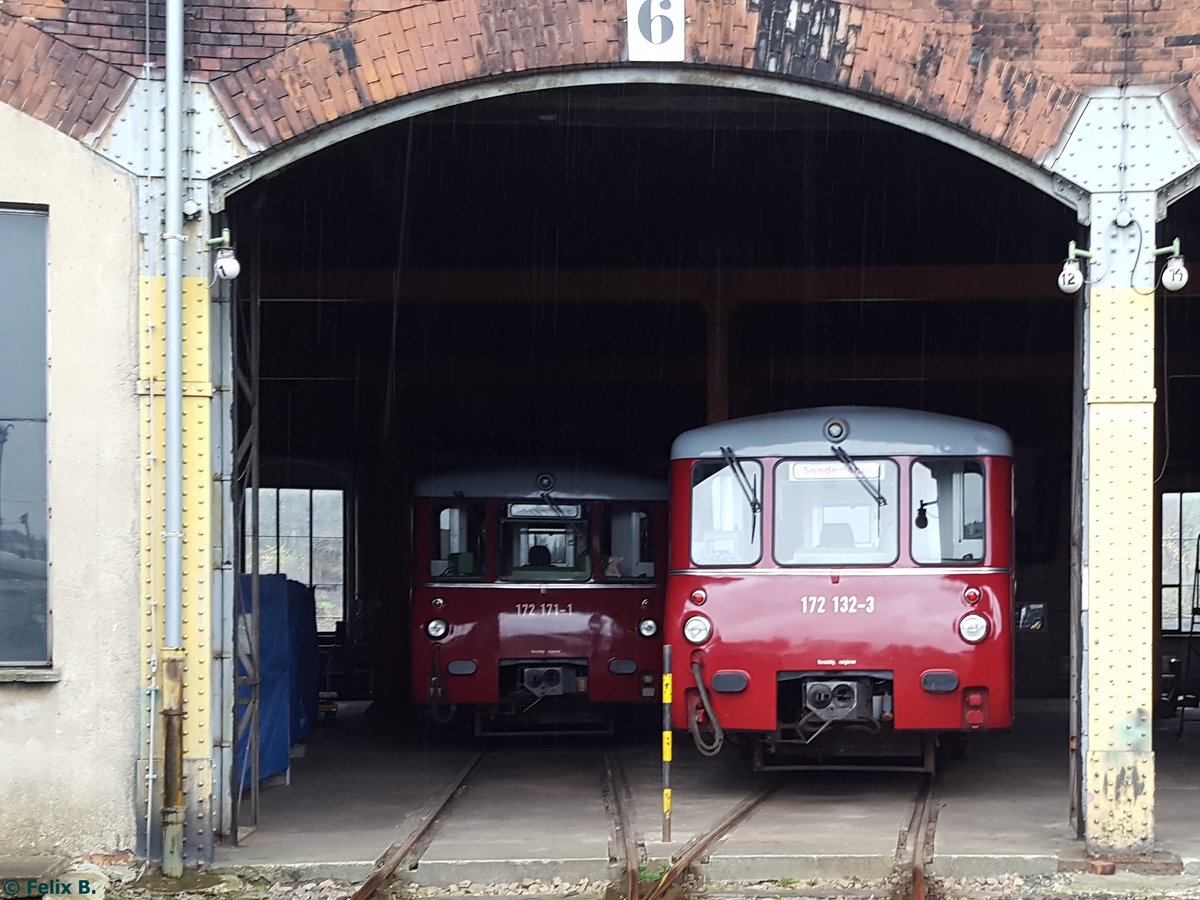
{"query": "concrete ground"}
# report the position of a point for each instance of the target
(534, 808)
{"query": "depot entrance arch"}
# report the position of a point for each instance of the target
(397, 66)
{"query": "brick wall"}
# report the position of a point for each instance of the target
(1008, 70)
(59, 83)
(1088, 42)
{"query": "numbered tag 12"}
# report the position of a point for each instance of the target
(655, 30)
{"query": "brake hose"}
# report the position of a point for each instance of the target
(705, 748)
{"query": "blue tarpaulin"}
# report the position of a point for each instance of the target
(306, 683)
(288, 677)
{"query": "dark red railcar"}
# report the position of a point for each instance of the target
(537, 596)
(841, 584)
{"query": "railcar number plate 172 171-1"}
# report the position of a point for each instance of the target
(544, 609)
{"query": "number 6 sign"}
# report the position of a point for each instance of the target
(655, 30)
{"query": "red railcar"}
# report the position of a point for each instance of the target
(841, 584)
(537, 596)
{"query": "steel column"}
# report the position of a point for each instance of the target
(1117, 597)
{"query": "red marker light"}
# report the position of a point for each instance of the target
(972, 595)
(699, 596)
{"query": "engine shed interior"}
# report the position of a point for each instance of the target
(585, 273)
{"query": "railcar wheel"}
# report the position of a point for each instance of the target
(952, 746)
(929, 754)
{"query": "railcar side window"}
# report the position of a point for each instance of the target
(457, 543)
(824, 514)
(725, 530)
(628, 545)
(947, 511)
(549, 543)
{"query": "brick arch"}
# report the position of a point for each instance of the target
(57, 83)
(933, 72)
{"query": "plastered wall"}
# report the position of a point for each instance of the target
(67, 746)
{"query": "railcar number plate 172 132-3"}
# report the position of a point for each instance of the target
(848, 604)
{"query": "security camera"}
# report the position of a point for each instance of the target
(1175, 275)
(226, 264)
(1070, 279)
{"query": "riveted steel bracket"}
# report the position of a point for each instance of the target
(134, 140)
(1128, 142)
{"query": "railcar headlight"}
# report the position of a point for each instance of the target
(972, 628)
(697, 629)
(437, 629)
(647, 628)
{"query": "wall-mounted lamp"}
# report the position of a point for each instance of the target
(225, 264)
(1175, 274)
(1070, 279)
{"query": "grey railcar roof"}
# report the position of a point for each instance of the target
(872, 431)
(521, 483)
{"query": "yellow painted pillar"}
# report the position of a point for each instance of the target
(1117, 541)
(197, 593)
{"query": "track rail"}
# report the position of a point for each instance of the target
(913, 848)
(682, 861)
(618, 790)
(397, 854)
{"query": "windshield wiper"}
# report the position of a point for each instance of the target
(858, 473)
(750, 490)
(558, 511)
(549, 501)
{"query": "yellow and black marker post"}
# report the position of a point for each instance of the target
(666, 743)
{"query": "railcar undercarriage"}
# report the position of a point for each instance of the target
(844, 748)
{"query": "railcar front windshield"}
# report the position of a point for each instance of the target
(544, 542)
(826, 514)
(947, 511)
(725, 526)
(627, 543)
